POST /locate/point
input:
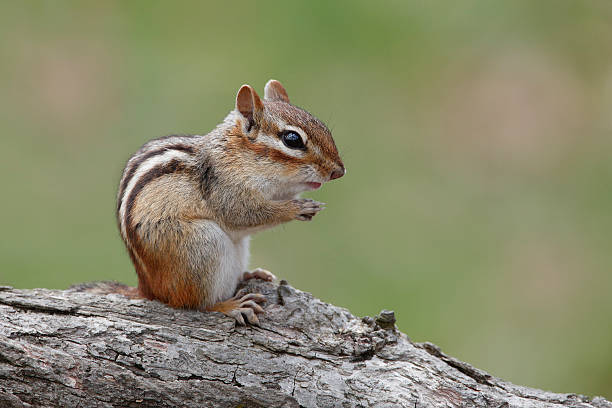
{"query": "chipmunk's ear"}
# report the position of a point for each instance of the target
(249, 105)
(274, 91)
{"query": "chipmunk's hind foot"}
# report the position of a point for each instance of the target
(241, 306)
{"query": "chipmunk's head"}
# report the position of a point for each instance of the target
(295, 151)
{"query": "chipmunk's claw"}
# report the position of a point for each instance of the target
(249, 313)
(236, 314)
(248, 307)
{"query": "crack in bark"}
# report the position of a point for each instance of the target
(294, 378)
(47, 309)
(474, 373)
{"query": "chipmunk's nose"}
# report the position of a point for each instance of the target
(339, 172)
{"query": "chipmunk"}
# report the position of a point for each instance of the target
(187, 205)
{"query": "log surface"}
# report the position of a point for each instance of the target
(74, 349)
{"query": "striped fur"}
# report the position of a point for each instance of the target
(133, 166)
(154, 153)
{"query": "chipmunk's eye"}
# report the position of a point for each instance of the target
(292, 140)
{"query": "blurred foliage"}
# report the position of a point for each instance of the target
(476, 134)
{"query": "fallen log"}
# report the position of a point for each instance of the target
(73, 349)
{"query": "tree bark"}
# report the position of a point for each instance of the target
(75, 349)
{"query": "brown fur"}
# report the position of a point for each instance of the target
(225, 306)
(159, 197)
(216, 181)
(132, 167)
(242, 143)
(318, 134)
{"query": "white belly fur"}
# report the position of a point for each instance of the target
(234, 260)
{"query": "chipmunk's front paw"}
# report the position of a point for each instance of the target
(241, 305)
(308, 208)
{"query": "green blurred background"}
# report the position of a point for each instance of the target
(476, 134)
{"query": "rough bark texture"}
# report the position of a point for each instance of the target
(72, 349)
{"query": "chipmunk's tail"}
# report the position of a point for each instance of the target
(107, 287)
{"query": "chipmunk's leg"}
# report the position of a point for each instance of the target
(239, 305)
(259, 273)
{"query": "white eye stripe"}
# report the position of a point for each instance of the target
(275, 142)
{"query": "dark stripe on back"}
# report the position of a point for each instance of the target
(134, 166)
(172, 166)
(207, 176)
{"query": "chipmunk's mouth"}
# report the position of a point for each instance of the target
(312, 185)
